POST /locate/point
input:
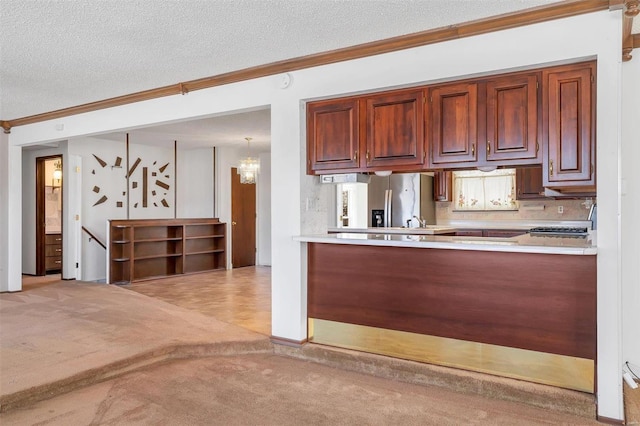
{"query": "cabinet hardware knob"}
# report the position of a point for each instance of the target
(233, 223)
(488, 147)
(473, 149)
(58, 249)
(551, 167)
(367, 157)
(355, 156)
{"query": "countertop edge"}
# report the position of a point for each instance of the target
(472, 243)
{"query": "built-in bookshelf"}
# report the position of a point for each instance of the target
(142, 249)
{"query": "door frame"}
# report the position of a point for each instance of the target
(40, 212)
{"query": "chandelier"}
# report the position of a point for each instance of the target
(249, 167)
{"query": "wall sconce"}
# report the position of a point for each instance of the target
(57, 174)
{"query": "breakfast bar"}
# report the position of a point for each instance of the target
(521, 307)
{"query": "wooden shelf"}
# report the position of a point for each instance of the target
(145, 249)
(205, 251)
(152, 240)
(204, 236)
(156, 256)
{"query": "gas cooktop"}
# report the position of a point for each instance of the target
(556, 231)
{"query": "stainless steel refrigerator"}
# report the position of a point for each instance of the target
(398, 199)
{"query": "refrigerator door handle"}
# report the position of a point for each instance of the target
(387, 207)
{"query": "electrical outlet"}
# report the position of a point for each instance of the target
(560, 209)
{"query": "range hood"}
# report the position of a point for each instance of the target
(345, 178)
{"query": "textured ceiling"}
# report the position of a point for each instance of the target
(56, 54)
(62, 53)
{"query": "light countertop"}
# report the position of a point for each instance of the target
(428, 230)
(522, 244)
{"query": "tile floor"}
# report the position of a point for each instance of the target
(239, 296)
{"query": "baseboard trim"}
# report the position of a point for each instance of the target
(288, 342)
(609, 420)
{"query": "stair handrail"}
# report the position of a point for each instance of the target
(92, 235)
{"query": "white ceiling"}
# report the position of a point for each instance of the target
(61, 53)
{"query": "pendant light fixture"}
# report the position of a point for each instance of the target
(249, 167)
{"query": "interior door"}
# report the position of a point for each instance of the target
(243, 222)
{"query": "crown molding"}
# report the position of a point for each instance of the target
(545, 13)
(629, 41)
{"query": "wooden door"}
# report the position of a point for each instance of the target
(395, 129)
(512, 118)
(453, 123)
(442, 186)
(243, 222)
(568, 126)
(529, 183)
(332, 135)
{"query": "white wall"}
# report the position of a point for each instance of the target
(264, 210)
(630, 242)
(195, 183)
(98, 181)
(10, 215)
(596, 35)
(153, 158)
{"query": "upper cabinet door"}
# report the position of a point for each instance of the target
(568, 125)
(529, 183)
(332, 135)
(512, 118)
(395, 129)
(453, 123)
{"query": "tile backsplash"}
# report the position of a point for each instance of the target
(528, 210)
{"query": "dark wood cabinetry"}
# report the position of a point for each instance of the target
(333, 135)
(442, 186)
(53, 252)
(512, 118)
(485, 122)
(569, 128)
(544, 116)
(395, 129)
(453, 124)
(529, 183)
(154, 248)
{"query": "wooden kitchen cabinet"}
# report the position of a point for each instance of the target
(395, 129)
(453, 124)
(442, 186)
(529, 183)
(333, 135)
(512, 118)
(569, 128)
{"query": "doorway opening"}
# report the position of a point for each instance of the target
(49, 215)
(243, 222)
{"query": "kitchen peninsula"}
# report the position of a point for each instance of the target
(521, 307)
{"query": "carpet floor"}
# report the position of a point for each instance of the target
(267, 389)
